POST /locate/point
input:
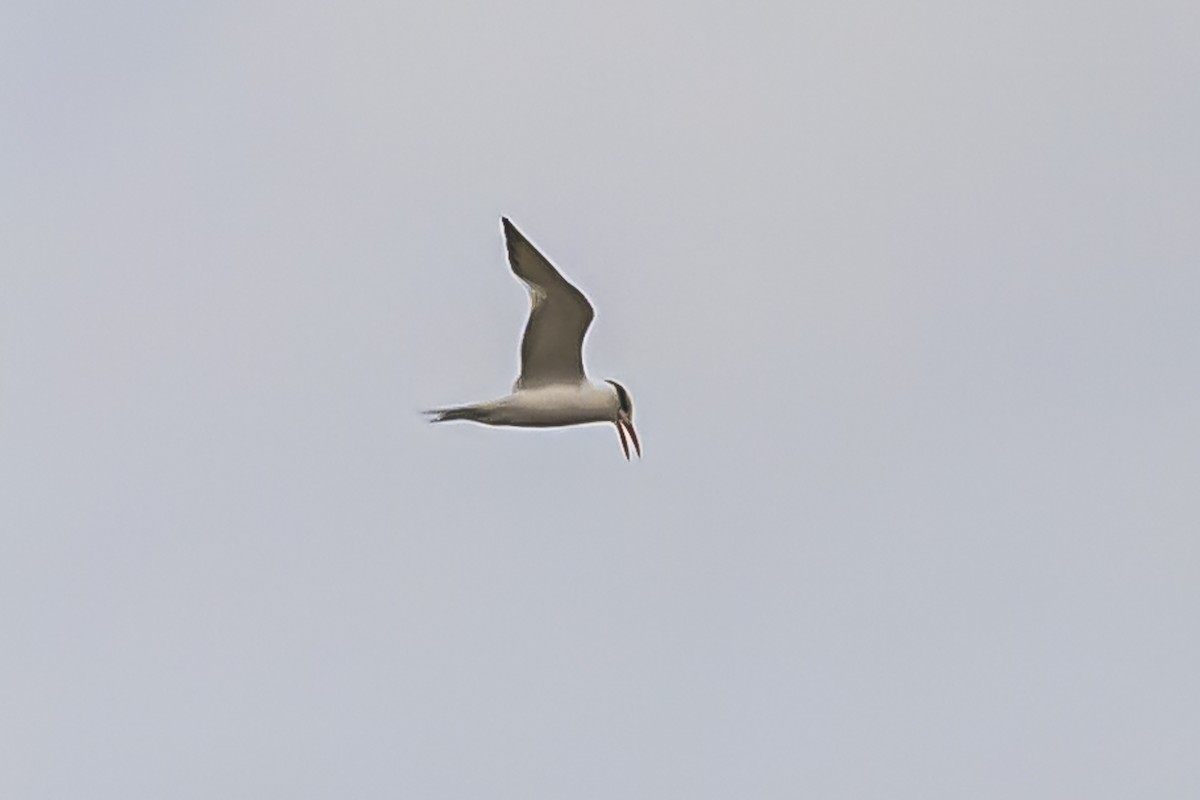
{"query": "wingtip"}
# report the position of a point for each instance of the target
(511, 234)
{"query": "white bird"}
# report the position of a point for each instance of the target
(552, 389)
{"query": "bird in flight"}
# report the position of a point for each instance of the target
(552, 390)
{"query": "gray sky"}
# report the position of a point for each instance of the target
(906, 297)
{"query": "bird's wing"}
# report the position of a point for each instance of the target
(552, 348)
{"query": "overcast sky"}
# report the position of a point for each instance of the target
(906, 295)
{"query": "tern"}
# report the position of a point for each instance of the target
(552, 390)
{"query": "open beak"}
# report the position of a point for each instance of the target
(624, 424)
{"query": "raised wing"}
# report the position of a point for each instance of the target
(552, 349)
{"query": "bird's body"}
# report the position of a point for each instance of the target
(554, 405)
(552, 389)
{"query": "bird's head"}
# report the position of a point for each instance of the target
(623, 418)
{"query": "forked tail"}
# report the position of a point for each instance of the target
(472, 413)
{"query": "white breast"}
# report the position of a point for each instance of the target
(556, 405)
